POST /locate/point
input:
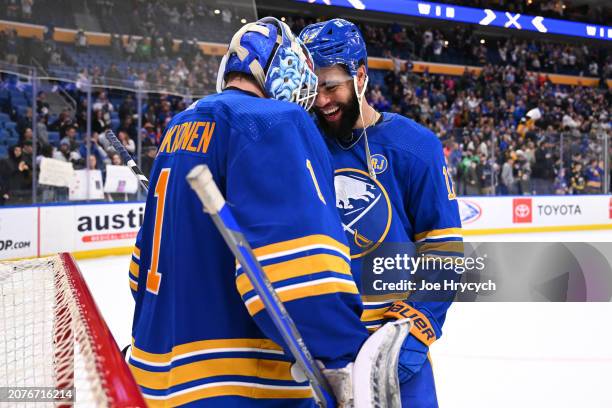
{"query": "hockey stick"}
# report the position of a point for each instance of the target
(201, 181)
(127, 159)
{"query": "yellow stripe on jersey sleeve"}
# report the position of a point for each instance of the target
(387, 298)
(134, 268)
(249, 367)
(218, 390)
(203, 345)
(302, 290)
(136, 252)
(439, 233)
(133, 285)
(369, 315)
(293, 244)
(294, 268)
(444, 246)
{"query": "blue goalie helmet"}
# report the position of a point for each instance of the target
(334, 42)
(277, 59)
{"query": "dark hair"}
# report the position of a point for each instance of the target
(230, 76)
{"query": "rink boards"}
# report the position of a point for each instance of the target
(110, 228)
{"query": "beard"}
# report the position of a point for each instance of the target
(341, 130)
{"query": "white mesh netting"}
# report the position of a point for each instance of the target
(45, 340)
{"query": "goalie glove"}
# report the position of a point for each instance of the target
(414, 350)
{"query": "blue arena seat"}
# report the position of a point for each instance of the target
(4, 136)
(54, 138)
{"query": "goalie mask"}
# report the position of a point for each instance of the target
(279, 62)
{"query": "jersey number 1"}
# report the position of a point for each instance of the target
(153, 275)
(314, 180)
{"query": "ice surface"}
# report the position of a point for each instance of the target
(491, 355)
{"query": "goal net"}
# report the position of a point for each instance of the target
(54, 344)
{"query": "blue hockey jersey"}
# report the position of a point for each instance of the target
(412, 199)
(200, 334)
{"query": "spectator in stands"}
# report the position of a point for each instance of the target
(113, 72)
(126, 141)
(507, 177)
(12, 44)
(486, 173)
(70, 134)
(127, 107)
(594, 178)
(98, 123)
(116, 47)
(63, 153)
(95, 149)
(577, 181)
(24, 121)
(16, 170)
(94, 164)
(4, 192)
(42, 106)
(115, 159)
(169, 44)
(471, 179)
(96, 75)
(12, 8)
(83, 82)
(523, 168)
(105, 106)
(143, 52)
(42, 135)
(60, 124)
(27, 152)
(147, 160)
(26, 9)
(150, 135)
(80, 40)
(159, 51)
(140, 82)
(106, 7)
(55, 55)
(130, 48)
(129, 127)
(7, 170)
(26, 136)
(560, 186)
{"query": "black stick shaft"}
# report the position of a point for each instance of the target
(127, 158)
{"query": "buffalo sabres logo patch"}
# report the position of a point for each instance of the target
(365, 210)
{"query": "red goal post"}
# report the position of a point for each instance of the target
(54, 335)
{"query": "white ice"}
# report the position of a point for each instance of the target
(491, 355)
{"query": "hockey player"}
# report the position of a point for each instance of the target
(201, 336)
(392, 185)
